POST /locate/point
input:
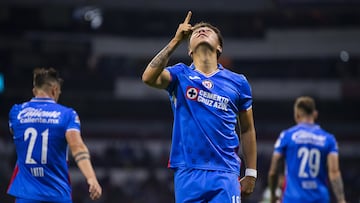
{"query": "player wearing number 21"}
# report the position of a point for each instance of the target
(207, 101)
(311, 159)
(42, 131)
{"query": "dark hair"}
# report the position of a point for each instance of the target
(46, 76)
(216, 30)
(305, 104)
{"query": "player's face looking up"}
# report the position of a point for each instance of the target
(205, 34)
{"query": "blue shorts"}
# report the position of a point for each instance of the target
(205, 186)
(21, 200)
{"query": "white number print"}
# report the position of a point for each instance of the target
(32, 134)
(235, 199)
(309, 158)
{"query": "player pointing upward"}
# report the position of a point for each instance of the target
(207, 100)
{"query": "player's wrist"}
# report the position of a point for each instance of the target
(251, 172)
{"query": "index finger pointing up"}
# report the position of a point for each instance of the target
(188, 17)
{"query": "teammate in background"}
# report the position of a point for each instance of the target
(207, 100)
(42, 132)
(266, 196)
(311, 158)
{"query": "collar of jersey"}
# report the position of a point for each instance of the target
(314, 125)
(42, 99)
(220, 67)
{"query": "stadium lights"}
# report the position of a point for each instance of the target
(90, 14)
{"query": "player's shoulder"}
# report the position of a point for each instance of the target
(65, 108)
(236, 76)
(326, 133)
(18, 106)
(290, 130)
(178, 68)
(179, 65)
(15, 106)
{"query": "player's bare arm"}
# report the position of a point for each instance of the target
(335, 177)
(82, 158)
(273, 176)
(154, 74)
(248, 138)
(248, 144)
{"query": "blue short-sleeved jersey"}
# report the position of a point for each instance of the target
(205, 116)
(41, 171)
(305, 148)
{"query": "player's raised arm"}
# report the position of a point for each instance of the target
(154, 74)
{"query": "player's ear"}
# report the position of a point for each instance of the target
(54, 90)
(34, 91)
(190, 53)
(218, 49)
(296, 115)
(316, 114)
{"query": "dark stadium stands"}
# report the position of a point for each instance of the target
(300, 44)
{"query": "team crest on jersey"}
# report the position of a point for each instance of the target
(192, 93)
(208, 84)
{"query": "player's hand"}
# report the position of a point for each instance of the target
(247, 185)
(94, 188)
(184, 29)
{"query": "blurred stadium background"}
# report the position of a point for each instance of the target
(286, 48)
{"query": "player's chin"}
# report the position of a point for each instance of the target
(205, 43)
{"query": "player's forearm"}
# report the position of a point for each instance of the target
(248, 140)
(162, 58)
(86, 168)
(272, 183)
(337, 185)
(81, 156)
(273, 175)
(159, 62)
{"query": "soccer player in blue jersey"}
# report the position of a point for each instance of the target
(43, 130)
(311, 159)
(207, 101)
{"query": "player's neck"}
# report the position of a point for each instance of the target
(205, 63)
(306, 120)
(38, 93)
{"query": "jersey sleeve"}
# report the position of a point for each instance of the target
(12, 115)
(281, 144)
(245, 94)
(333, 146)
(174, 72)
(74, 121)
